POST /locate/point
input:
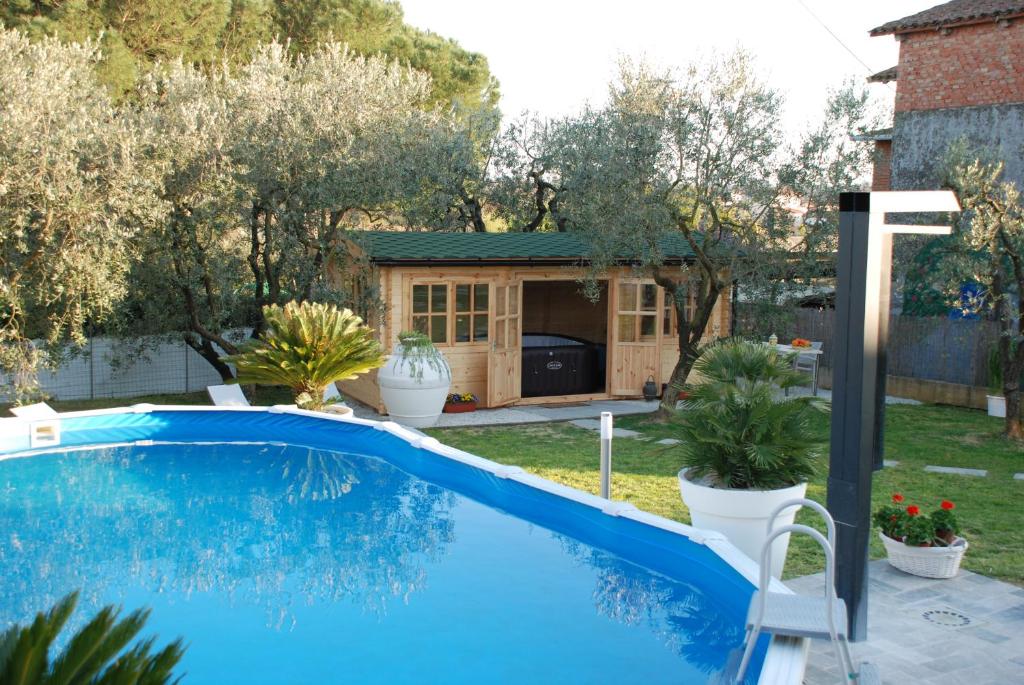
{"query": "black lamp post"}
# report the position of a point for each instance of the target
(858, 373)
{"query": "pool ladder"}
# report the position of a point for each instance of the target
(820, 618)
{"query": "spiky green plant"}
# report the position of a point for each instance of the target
(306, 347)
(98, 654)
(738, 429)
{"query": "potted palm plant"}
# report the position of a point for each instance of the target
(307, 347)
(746, 447)
(414, 382)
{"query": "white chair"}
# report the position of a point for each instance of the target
(227, 395)
(822, 618)
(337, 401)
(39, 410)
(808, 363)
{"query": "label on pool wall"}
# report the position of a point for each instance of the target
(554, 366)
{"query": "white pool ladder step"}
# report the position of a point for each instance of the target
(819, 618)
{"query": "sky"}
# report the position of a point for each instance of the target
(552, 56)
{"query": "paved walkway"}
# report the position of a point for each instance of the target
(527, 414)
(969, 629)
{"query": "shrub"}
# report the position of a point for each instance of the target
(307, 347)
(737, 429)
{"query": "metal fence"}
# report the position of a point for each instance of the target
(926, 348)
(112, 367)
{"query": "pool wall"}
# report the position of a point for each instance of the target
(618, 526)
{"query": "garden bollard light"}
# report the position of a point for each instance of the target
(606, 454)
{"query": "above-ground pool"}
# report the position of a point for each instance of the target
(289, 548)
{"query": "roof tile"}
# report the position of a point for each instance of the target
(955, 12)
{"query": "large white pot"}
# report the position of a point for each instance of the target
(996, 406)
(742, 515)
(414, 389)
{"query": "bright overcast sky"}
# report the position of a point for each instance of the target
(551, 56)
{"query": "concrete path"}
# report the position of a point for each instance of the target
(526, 414)
(969, 629)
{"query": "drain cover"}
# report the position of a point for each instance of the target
(944, 617)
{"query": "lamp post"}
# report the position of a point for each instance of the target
(858, 374)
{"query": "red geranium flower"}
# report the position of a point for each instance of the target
(913, 510)
(947, 505)
(897, 497)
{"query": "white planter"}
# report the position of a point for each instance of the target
(414, 389)
(996, 406)
(742, 515)
(927, 562)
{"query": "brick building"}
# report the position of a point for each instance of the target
(960, 74)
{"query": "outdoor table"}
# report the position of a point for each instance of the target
(787, 349)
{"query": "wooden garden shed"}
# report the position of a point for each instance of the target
(509, 313)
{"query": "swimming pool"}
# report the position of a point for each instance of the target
(289, 547)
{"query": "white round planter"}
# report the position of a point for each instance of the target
(996, 406)
(414, 389)
(742, 515)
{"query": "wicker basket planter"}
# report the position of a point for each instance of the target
(927, 562)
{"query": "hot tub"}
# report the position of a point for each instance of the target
(561, 365)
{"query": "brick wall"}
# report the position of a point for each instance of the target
(883, 165)
(981, 64)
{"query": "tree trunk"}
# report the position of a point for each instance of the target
(1012, 427)
(690, 334)
(206, 349)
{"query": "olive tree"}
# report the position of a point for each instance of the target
(72, 195)
(988, 249)
(699, 157)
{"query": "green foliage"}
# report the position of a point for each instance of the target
(73, 191)
(892, 520)
(306, 347)
(918, 531)
(204, 32)
(98, 653)
(418, 351)
(735, 428)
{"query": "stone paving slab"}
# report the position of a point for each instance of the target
(909, 648)
(595, 425)
(890, 463)
(956, 471)
(1018, 476)
(669, 441)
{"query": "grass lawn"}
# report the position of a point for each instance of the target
(991, 509)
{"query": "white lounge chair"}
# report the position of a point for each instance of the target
(227, 395)
(337, 403)
(39, 410)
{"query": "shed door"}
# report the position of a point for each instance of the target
(505, 361)
(636, 335)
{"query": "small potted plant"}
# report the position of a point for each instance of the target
(746, 449)
(926, 545)
(460, 403)
(415, 380)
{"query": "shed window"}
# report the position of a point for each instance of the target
(430, 311)
(638, 312)
(471, 302)
(669, 321)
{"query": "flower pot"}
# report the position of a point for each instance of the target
(459, 407)
(742, 515)
(414, 387)
(996, 406)
(927, 562)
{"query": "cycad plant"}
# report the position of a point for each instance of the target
(306, 347)
(98, 654)
(738, 429)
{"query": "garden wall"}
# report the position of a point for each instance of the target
(111, 367)
(932, 359)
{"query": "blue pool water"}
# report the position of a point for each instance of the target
(371, 562)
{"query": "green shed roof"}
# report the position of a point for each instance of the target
(397, 247)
